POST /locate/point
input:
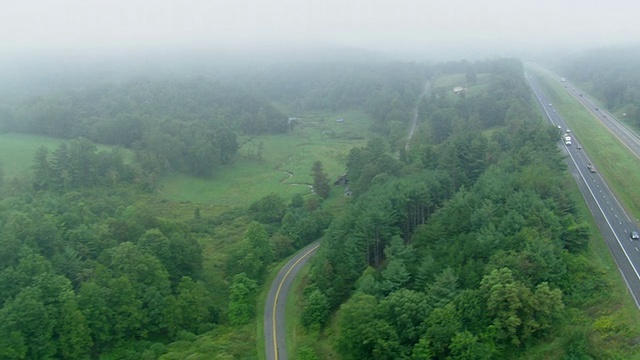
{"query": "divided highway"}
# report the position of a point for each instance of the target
(628, 138)
(276, 304)
(613, 222)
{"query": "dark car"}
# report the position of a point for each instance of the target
(634, 235)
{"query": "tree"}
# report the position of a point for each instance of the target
(28, 326)
(316, 310)
(355, 317)
(406, 310)
(320, 180)
(394, 276)
(270, 209)
(42, 171)
(192, 305)
(466, 346)
(363, 335)
(282, 245)
(125, 310)
(241, 299)
(507, 304)
(61, 168)
(422, 350)
(442, 324)
(258, 242)
(73, 332)
(444, 289)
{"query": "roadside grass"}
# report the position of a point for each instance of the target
(612, 159)
(278, 163)
(297, 336)
(18, 150)
(294, 312)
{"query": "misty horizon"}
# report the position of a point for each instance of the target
(403, 29)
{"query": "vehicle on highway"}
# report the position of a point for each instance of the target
(579, 147)
(580, 94)
(591, 168)
(634, 235)
(550, 104)
(597, 109)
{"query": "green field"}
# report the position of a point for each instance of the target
(278, 164)
(265, 164)
(17, 151)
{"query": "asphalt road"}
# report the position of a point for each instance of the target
(612, 220)
(275, 305)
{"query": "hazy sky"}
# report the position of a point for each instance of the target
(394, 24)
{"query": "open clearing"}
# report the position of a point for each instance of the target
(278, 164)
(17, 151)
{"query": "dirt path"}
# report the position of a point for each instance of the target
(425, 92)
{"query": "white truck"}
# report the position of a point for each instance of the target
(567, 139)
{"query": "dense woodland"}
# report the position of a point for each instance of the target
(612, 75)
(464, 246)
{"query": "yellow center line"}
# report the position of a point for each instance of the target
(275, 301)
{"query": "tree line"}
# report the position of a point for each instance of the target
(187, 126)
(387, 91)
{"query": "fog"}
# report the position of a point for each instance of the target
(404, 29)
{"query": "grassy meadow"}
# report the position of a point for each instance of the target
(279, 163)
(17, 151)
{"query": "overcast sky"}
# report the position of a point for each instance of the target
(379, 24)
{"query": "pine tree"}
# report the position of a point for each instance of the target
(320, 180)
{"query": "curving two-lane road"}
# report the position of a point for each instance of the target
(276, 303)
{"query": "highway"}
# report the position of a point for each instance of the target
(276, 303)
(628, 138)
(614, 223)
